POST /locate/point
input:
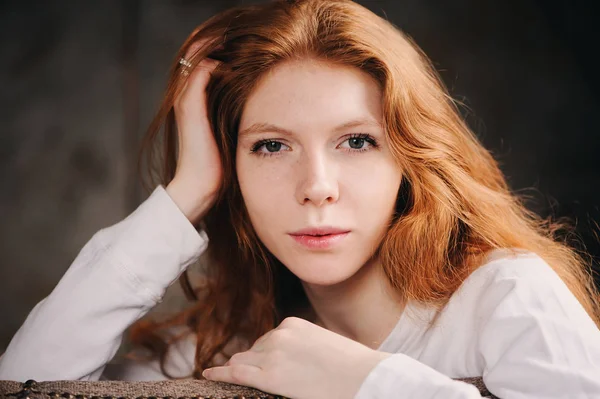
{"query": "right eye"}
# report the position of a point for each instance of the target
(267, 147)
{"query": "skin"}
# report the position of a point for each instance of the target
(318, 175)
(319, 178)
(314, 175)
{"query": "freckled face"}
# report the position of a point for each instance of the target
(312, 154)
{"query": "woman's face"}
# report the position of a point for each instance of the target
(312, 159)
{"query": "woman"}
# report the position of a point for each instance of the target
(361, 240)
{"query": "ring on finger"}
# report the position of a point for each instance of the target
(185, 66)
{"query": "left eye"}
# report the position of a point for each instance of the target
(272, 146)
(359, 142)
(268, 147)
(356, 143)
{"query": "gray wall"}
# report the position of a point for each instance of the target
(81, 80)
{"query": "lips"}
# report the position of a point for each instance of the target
(319, 231)
(320, 238)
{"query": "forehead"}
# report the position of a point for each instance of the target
(306, 94)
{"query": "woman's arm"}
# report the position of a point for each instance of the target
(118, 276)
(400, 376)
(533, 339)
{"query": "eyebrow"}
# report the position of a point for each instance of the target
(268, 127)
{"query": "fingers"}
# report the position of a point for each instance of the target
(194, 47)
(239, 374)
(196, 78)
(242, 368)
(200, 75)
(195, 84)
(248, 358)
(258, 345)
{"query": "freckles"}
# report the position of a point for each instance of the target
(268, 180)
(272, 173)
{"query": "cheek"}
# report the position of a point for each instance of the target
(383, 187)
(375, 182)
(262, 186)
(372, 195)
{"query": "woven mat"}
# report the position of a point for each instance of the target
(171, 389)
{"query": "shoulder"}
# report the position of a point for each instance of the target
(528, 331)
(519, 285)
(515, 263)
(507, 270)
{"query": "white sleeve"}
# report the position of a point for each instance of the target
(400, 376)
(534, 340)
(118, 276)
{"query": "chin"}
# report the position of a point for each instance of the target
(323, 273)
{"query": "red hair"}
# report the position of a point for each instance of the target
(454, 205)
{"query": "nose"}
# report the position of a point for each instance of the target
(317, 183)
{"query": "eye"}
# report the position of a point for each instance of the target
(356, 143)
(272, 146)
(360, 142)
(267, 147)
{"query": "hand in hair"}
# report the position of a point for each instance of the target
(199, 172)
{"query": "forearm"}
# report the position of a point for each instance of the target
(398, 375)
(120, 274)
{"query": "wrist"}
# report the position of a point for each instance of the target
(193, 205)
(362, 368)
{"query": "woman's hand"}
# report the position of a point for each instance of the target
(199, 173)
(301, 360)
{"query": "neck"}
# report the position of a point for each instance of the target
(363, 308)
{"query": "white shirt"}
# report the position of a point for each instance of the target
(513, 321)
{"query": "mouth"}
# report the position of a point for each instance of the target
(320, 231)
(320, 238)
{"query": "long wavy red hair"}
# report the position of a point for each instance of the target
(454, 204)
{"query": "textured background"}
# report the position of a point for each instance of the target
(80, 82)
